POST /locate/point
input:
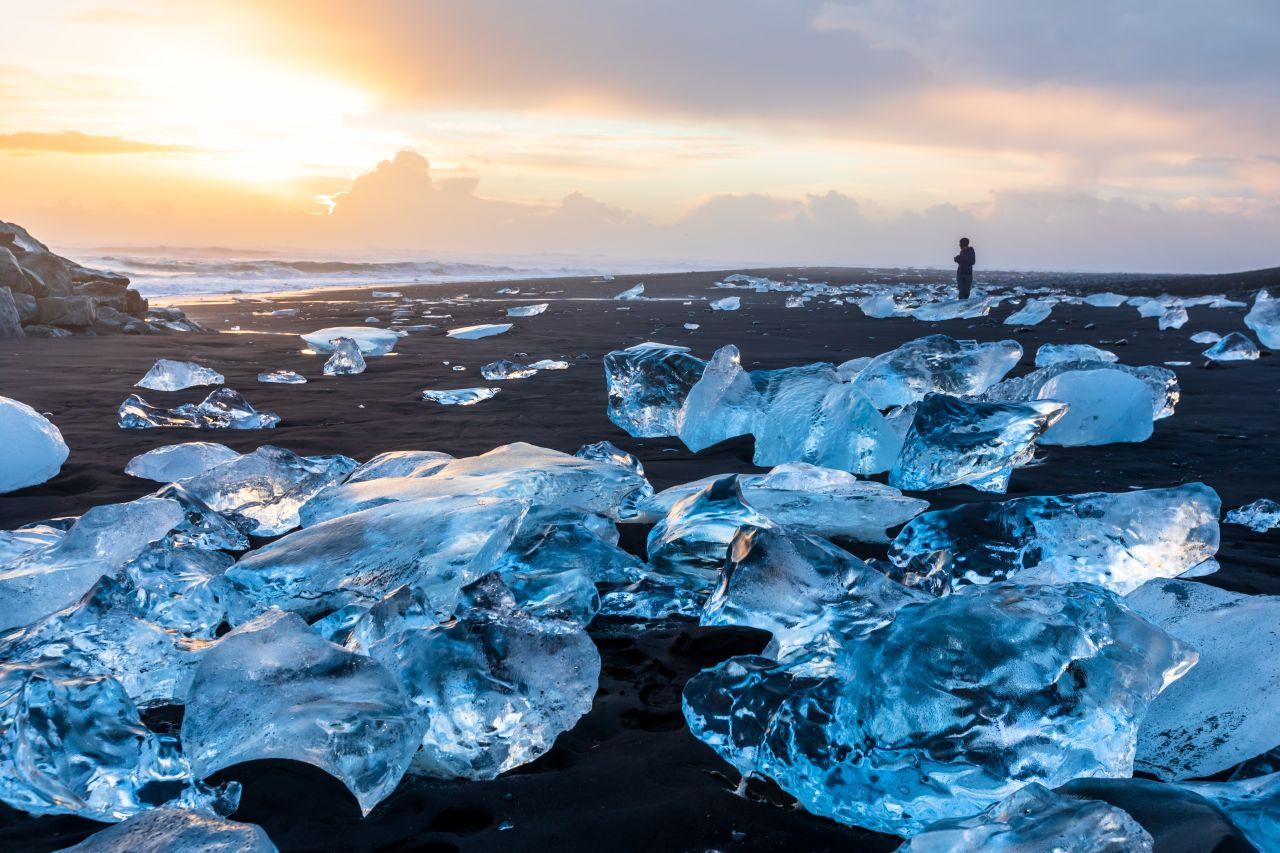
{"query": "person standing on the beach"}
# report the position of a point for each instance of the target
(964, 267)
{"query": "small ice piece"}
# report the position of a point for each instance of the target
(494, 685)
(954, 704)
(174, 462)
(1035, 312)
(32, 451)
(282, 377)
(169, 375)
(935, 364)
(74, 744)
(268, 486)
(1260, 516)
(361, 557)
(346, 359)
(506, 369)
(550, 364)
(878, 306)
(222, 409)
(528, 310)
(1224, 711)
(647, 386)
(1206, 338)
(1174, 317)
(1252, 804)
(1234, 347)
(273, 688)
(954, 309)
(1118, 540)
(460, 396)
(179, 830)
(793, 302)
(372, 320)
(1104, 407)
(1051, 354)
(1264, 319)
(729, 303)
(1032, 820)
(370, 341)
(386, 294)
(635, 292)
(285, 312)
(1105, 300)
(954, 442)
(473, 333)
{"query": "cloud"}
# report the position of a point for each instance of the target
(72, 142)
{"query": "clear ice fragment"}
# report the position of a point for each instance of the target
(1104, 407)
(346, 359)
(528, 310)
(1206, 338)
(729, 303)
(1264, 319)
(1035, 312)
(647, 386)
(461, 396)
(1233, 347)
(222, 409)
(1051, 354)
(473, 333)
(506, 369)
(178, 830)
(169, 375)
(935, 364)
(33, 449)
(633, 292)
(400, 463)
(371, 342)
(1260, 516)
(282, 377)
(174, 462)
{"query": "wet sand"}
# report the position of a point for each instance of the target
(628, 777)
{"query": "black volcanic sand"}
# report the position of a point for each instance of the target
(628, 776)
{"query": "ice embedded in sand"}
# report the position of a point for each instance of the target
(1233, 347)
(729, 303)
(169, 375)
(222, 409)
(1118, 541)
(32, 451)
(346, 359)
(370, 341)
(1264, 319)
(173, 462)
(473, 333)
(460, 396)
(179, 830)
(935, 364)
(282, 377)
(506, 369)
(528, 310)
(647, 385)
(1051, 354)
(1260, 516)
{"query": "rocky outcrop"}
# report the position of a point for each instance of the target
(44, 295)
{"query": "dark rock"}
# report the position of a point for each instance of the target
(28, 310)
(10, 321)
(135, 304)
(46, 332)
(83, 275)
(1177, 819)
(11, 275)
(51, 271)
(112, 321)
(173, 320)
(17, 237)
(73, 311)
(105, 294)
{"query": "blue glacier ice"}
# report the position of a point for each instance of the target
(1051, 354)
(1264, 319)
(647, 385)
(955, 309)
(203, 526)
(1233, 347)
(282, 377)
(33, 449)
(722, 404)
(528, 310)
(178, 588)
(954, 442)
(633, 292)
(935, 364)
(400, 463)
(169, 375)
(174, 462)
(1105, 406)
(273, 688)
(880, 305)
(178, 830)
(693, 538)
(460, 396)
(729, 303)
(1105, 300)
(1260, 516)
(1035, 312)
(1160, 381)
(1206, 338)
(371, 342)
(1118, 541)
(475, 333)
(1252, 804)
(346, 359)
(224, 408)
(506, 369)
(953, 705)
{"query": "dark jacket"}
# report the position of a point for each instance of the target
(965, 261)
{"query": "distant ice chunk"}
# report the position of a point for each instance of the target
(386, 294)
(1264, 319)
(880, 305)
(174, 462)
(729, 303)
(1224, 711)
(1233, 347)
(634, 292)
(460, 396)
(647, 386)
(550, 364)
(1034, 820)
(178, 830)
(954, 442)
(273, 688)
(222, 409)
(282, 377)
(33, 449)
(473, 333)
(370, 341)
(506, 369)
(1035, 312)
(935, 364)
(528, 310)
(1051, 354)
(1206, 338)
(1260, 516)
(955, 309)
(1174, 317)
(1105, 300)
(345, 360)
(1118, 541)
(169, 375)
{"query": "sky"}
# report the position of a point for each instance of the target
(1096, 135)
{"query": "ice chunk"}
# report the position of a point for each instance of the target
(955, 309)
(100, 542)
(954, 442)
(370, 341)
(550, 364)
(1118, 541)
(282, 377)
(461, 396)
(1173, 318)
(1224, 711)
(361, 557)
(1264, 319)
(169, 375)
(400, 463)
(1260, 516)
(32, 451)
(1051, 354)
(605, 451)
(935, 364)
(722, 404)
(273, 688)
(1162, 382)
(647, 385)
(505, 369)
(1035, 312)
(1252, 804)
(177, 830)
(1234, 347)
(203, 527)
(176, 588)
(634, 292)
(494, 685)
(15, 544)
(1105, 407)
(528, 310)
(1033, 820)
(222, 409)
(1105, 300)
(346, 359)
(473, 333)
(1206, 338)
(953, 705)
(822, 501)
(552, 571)
(174, 462)
(729, 303)
(268, 486)
(74, 744)
(790, 302)
(880, 305)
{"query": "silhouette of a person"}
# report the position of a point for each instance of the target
(964, 267)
